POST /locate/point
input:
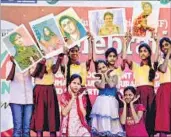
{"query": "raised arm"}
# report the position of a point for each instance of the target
(127, 39)
(100, 84)
(56, 66)
(67, 108)
(136, 115)
(163, 67)
(10, 67)
(123, 114)
(154, 36)
(90, 55)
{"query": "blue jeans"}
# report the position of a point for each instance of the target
(21, 119)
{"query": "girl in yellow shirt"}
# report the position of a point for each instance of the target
(46, 115)
(75, 67)
(144, 74)
(163, 97)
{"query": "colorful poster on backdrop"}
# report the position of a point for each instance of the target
(22, 47)
(108, 22)
(71, 27)
(48, 35)
(145, 19)
(29, 13)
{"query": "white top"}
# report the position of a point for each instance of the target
(21, 87)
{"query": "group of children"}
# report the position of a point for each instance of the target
(142, 114)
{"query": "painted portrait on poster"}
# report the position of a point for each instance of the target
(71, 27)
(108, 22)
(145, 19)
(48, 35)
(22, 47)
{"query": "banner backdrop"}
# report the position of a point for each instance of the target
(12, 16)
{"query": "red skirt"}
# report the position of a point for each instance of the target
(163, 108)
(147, 98)
(46, 115)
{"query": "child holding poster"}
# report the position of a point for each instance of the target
(144, 74)
(105, 117)
(132, 114)
(75, 67)
(73, 104)
(46, 115)
(21, 99)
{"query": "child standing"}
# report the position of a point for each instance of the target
(105, 117)
(144, 74)
(73, 105)
(163, 97)
(74, 66)
(21, 99)
(132, 114)
(46, 115)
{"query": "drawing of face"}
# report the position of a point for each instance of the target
(147, 8)
(108, 20)
(18, 40)
(68, 26)
(46, 31)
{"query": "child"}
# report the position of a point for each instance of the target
(132, 114)
(111, 56)
(144, 74)
(105, 117)
(73, 105)
(75, 67)
(21, 99)
(46, 115)
(163, 97)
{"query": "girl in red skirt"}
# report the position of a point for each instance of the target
(144, 75)
(163, 97)
(46, 116)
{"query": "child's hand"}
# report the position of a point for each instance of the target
(128, 36)
(135, 99)
(61, 56)
(43, 61)
(98, 75)
(12, 59)
(154, 36)
(122, 99)
(80, 96)
(108, 73)
(90, 37)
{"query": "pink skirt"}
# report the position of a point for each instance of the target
(163, 108)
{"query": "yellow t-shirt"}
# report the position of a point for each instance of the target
(49, 78)
(117, 72)
(81, 70)
(165, 77)
(141, 74)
